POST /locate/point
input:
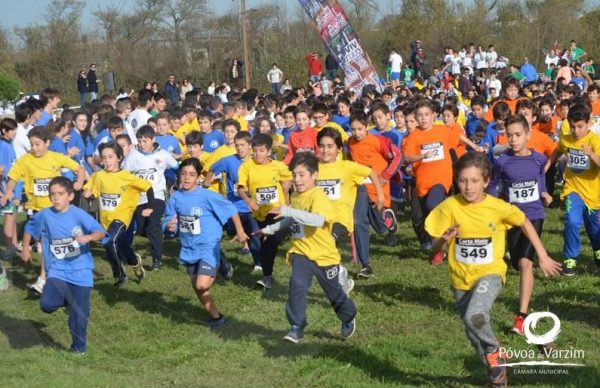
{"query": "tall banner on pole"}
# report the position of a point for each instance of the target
(342, 42)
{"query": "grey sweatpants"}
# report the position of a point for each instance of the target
(474, 308)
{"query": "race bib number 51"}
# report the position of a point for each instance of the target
(267, 195)
(474, 251)
(331, 187)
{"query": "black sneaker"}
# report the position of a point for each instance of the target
(228, 275)
(366, 272)
(156, 264)
(266, 281)
(295, 335)
(120, 282)
(216, 323)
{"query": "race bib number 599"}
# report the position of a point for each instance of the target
(267, 195)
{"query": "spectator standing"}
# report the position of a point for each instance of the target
(236, 74)
(576, 52)
(528, 71)
(395, 61)
(315, 67)
(170, 90)
(92, 81)
(275, 76)
(82, 87)
(186, 87)
(331, 66)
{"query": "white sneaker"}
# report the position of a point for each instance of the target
(3, 279)
(38, 286)
(257, 270)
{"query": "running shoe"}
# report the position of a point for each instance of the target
(438, 258)
(138, 269)
(348, 328)
(216, 323)
(389, 219)
(266, 282)
(295, 335)
(366, 272)
(38, 286)
(569, 267)
(496, 366)
(518, 325)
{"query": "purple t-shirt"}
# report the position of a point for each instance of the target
(520, 180)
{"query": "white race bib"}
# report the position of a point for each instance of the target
(577, 160)
(523, 192)
(109, 202)
(65, 248)
(189, 224)
(297, 231)
(40, 187)
(435, 149)
(267, 195)
(149, 174)
(474, 251)
(331, 187)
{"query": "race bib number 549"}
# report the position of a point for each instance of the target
(474, 251)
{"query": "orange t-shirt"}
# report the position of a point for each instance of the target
(595, 108)
(512, 105)
(541, 143)
(549, 127)
(458, 145)
(438, 168)
(368, 152)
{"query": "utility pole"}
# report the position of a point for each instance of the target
(245, 44)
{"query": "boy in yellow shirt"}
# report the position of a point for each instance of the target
(36, 169)
(313, 251)
(263, 184)
(581, 191)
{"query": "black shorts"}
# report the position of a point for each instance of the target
(519, 245)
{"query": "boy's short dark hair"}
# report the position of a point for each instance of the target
(48, 94)
(360, 116)
(262, 139)
(593, 87)
(66, 183)
(145, 131)
(379, 107)
(510, 81)
(205, 114)
(528, 104)
(321, 108)
(331, 133)
(7, 124)
(178, 113)
(501, 111)
(144, 96)
(517, 119)
(291, 109)
(243, 135)
(41, 133)
(113, 145)
(125, 137)
(158, 97)
(306, 159)
(194, 138)
(23, 111)
(478, 100)
(579, 112)
(304, 109)
(232, 123)
(424, 103)
(114, 122)
(451, 108)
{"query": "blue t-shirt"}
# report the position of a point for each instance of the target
(521, 180)
(101, 138)
(64, 258)
(213, 140)
(44, 119)
(287, 132)
(230, 165)
(471, 125)
(58, 145)
(76, 140)
(7, 159)
(201, 214)
(169, 143)
(342, 121)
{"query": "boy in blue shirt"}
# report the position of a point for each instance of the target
(169, 143)
(65, 232)
(213, 139)
(475, 118)
(198, 216)
(289, 118)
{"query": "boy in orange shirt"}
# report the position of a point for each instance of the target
(383, 158)
(304, 139)
(428, 150)
(510, 92)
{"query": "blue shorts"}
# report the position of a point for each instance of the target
(396, 192)
(201, 268)
(395, 76)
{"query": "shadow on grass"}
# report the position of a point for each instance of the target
(339, 350)
(25, 333)
(392, 292)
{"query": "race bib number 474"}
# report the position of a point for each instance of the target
(474, 251)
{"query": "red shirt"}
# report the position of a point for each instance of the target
(315, 67)
(301, 141)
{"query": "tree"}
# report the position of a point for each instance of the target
(9, 88)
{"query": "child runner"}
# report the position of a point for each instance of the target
(213, 139)
(340, 180)
(8, 131)
(36, 169)
(473, 225)
(65, 232)
(264, 184)
(198, 215)
(150, 162)
(118, 192)
(304, 138)
(313, 251)
(580, 192)
(520, 174)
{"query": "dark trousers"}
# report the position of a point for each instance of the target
(269, 245)
(303, 271)
(58, 293)
(422, 206)
(151, 227)
(119, 248)
(365, 215)
(250, 226)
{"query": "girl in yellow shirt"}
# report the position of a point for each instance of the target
(473, 225)
(118, 192)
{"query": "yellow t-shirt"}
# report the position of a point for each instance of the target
(263, 183)
(184, 130)
(243, 123)
(581, 175)
(339, 181)
(316, 243)
(478, 249)
(118, 194)
(36, 173)
(218, 185)
(337, 127)
(278, 151)
(565, 128)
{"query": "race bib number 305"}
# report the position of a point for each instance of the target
(523, 192)
(267, 195)
(331, 187)
(432, 152)
(65, 248)
(109, 202)
(189, 224)
(577, 160)
(40, 187)
(474, 251)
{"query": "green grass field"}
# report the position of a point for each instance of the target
(408, 333)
